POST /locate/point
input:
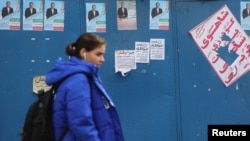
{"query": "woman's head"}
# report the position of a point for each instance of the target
(88, 47)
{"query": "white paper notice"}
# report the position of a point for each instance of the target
(39, 84)
(225, 45)
(141, 52)
(157, 49)
(124, 61)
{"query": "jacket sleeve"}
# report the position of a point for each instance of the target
(79, 111)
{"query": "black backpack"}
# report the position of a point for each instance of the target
(38, 121)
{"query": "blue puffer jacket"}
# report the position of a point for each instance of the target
(81, 103)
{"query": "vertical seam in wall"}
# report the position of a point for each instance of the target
(173, 4)
(81, 7)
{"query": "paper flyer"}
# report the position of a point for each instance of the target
(124, 61)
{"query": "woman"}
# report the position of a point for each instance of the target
(82, 107)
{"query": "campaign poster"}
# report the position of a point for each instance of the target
(33, 15)
(245, 15)
(10, 15)
(159, 15)
(126, 15)
(54, 15)
(96, 17)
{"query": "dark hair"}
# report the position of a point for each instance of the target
(89, 41)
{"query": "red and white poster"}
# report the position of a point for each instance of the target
(225, 45)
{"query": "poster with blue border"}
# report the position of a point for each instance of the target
(10, 15)
(96, 17)
(54, 15)
(245, 15)
(33, 15)
(159, 15)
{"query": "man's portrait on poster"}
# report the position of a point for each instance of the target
(7, 9)
(30, 10)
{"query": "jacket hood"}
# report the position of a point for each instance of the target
(62, 69)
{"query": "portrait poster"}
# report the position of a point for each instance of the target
(245, 15)
(126, 15)
(95, 17)
(225, 45)
(54, 15)
(33, 15)
(159, 15)
(10, 15)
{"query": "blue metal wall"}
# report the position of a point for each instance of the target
(159, 105)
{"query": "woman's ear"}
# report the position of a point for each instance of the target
(83, 53)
